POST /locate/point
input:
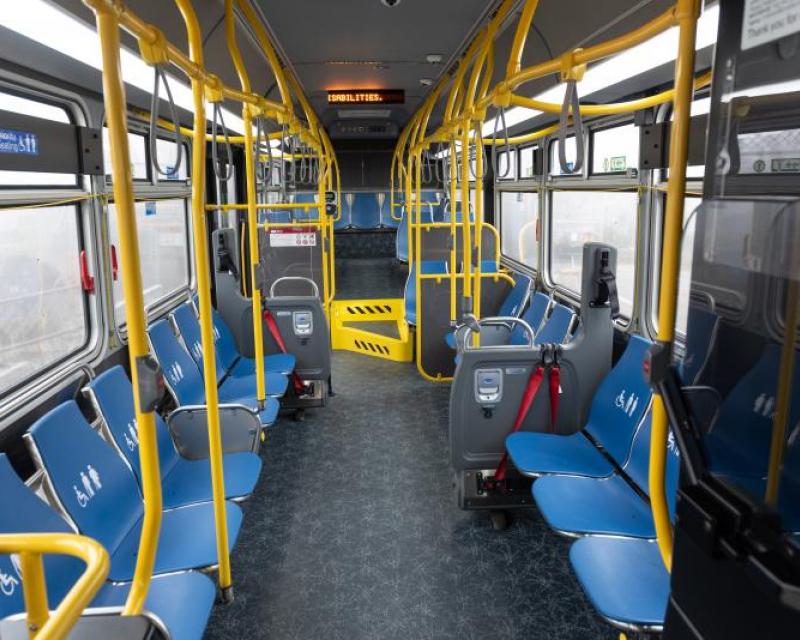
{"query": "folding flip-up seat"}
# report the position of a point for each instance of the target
(230, 385)
(617, 409)
(232, 361)
(512, 306)
(99, 494)
(533, 316)
(182, 600)
(427, 267)
(183, 481)
(577, 505)
(185, 382)
(555, 329)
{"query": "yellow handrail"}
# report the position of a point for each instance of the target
(252, 215)
(202, 272)
(106, 14)
(42, 624)
(687, 12)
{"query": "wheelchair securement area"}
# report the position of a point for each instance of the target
(354, 533)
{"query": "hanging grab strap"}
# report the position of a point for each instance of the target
(501, 115)
(263, 172)
(529, 395)
(571, 103)
(275, 332)
(159, 78)
(217, 117)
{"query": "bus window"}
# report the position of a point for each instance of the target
(571, 153)
(137, 144)
(527, 164)
(506, 171)
(163, 242)
(166, 159)
(687, 246)
(579, 217)
(43, 317)
(519, 214)
(615, 150)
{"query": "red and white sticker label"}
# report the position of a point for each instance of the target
(292, 237)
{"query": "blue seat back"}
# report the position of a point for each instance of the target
(517, 298)
(638, 465)
(410, 294)
(489, 266)
(21, 511)
(533, 316)
(365, 213)
(556, 326)
(701, 333)
(112, 393)
(739, 441)
(189, 327)
(305, 215)
(180, 371)
(93, 483)
(447, 213)
(227, 352)
(401, 238)
(620, 402)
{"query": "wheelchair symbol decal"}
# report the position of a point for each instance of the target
(8, 584)
(88, 486)
(627, 403)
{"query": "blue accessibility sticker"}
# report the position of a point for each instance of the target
(13, 141)
(149, 208)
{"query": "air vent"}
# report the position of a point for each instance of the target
(364, 129)
(350, 114)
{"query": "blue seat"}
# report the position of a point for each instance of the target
(401, 236)
(229, 384)
(577, 505)
(234, 362)
(739, 440)
(305, 215)
(702, 326)
(534, 315)
(624, 578)
(556, 327)
(432, 267)
(274, 216)
(185, 382)
(365, 213)
(182, 481)
(182, 601)
(617, 409)
(100, 495)
(512, 305)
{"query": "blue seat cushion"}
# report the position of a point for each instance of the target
(182, 601)
(282, 363)
(189, 481)
(275, 383)
(186, 540)
(607, 506)
(266, 416)
(269, 414)
(547, 453)
(624, 578)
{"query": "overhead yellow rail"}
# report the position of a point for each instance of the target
(42, 624)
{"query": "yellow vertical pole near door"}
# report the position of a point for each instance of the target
(138, 350)
(250, 186)
(204, 295)
(687, 13)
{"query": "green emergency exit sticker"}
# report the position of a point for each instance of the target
(615, 163)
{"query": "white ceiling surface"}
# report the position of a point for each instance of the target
(312, 34)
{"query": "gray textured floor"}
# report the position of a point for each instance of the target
(370, 278)
(354, 533)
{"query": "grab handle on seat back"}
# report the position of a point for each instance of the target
(508, 321)
(313, 284)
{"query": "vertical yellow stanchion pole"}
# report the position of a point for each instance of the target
(252, 214)
(204, 295)
(687, 12)
(138, 351)
(478, 223)
(34, 590)
(466, 249)
(326, 234)
(453, 231)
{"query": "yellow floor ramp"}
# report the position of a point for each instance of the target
(345, 313)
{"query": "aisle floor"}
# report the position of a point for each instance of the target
(353, 532)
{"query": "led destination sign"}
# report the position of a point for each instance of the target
(366, 96)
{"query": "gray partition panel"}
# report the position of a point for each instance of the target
(291, 251)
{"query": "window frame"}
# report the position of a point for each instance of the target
(508, 260)
(629, 172)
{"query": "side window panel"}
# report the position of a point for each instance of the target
(519, 214)
(594, 216)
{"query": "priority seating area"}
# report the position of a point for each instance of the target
(89, 479)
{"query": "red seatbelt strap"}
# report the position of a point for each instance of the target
(555, 392)
(275, 332)
(532, 388)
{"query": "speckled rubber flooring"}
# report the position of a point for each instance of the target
(353, 532)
